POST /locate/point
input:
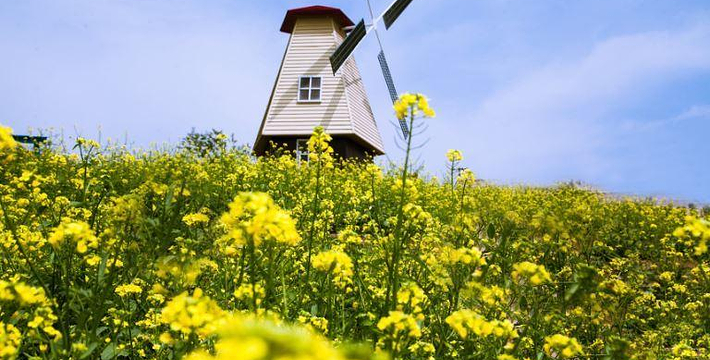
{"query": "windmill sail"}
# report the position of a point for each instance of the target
(393, 12)
(348, 46)
(390, 86)
(388, 76)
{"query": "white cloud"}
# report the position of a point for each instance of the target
(553, 123)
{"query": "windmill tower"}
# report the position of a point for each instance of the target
(308, 93)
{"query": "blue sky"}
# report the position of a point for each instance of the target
(615, 93)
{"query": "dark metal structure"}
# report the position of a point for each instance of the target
(359, 32)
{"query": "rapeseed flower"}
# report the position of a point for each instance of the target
(7, 142)
(559, 346)
(454, 155)
(466, 322)
(195, 219)
(10, 340)
(338, 264)
(399, 329)
(253, 216)
(77, 232)
(319, 149)
(530, 272)
(412, 104)
(128, 289)
(195, 313)
(248, 338)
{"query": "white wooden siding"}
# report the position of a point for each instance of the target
(342, 109)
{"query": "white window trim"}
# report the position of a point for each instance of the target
(309, 88)
(299, 153)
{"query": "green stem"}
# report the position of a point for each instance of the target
(391, 300)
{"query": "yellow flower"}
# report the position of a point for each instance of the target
(253, 216)
(534, 274)
(319, 146)
(247, 338)
(454, 155)
(467, 321)
(397, 324)
(698, 229)
(559, 346)
(506, 357)
(10, 340)
(412, 104)
(466, 177)
(195, 219)
(22, 293)
(77, 232)
(128, 289)
(195, 313)
(336, 262)
(6, 139)
(247, 292)
(314, 323)
(411, 297)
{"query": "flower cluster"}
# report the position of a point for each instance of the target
(195, 219)
(454, 155)
(254, 339)
(319, 149)
(10, 340)
(698, 229)
(76, 232)
(466, 322)
(128, 289)
(531, 273)
(195, 313)
(399, 329)
(412, 104)
(338, 264)
(250, 293)
(7, 142)
(559, 346)
(254, 217)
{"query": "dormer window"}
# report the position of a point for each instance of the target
(309, 89)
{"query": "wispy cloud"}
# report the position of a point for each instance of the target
(554, 122)
(695, 112)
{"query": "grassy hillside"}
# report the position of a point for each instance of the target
(110, 254)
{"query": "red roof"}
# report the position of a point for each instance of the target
(293, 14)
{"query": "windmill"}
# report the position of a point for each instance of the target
(359, 32)
(319, 84)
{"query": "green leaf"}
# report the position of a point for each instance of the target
(89, 350)
(491, 231)
(110, 352)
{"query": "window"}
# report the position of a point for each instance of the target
(309, 89)
(302, 150)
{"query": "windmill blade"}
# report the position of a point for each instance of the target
(393, 12)
(343, 52)
(392, 90)
(388, 75)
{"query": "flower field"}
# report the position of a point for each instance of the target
(110, 254)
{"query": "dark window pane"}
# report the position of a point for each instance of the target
(315, 82)
(303, 95)
(315, 94)
(304, 82)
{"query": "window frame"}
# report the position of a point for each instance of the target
(302, 144)
(310, 89)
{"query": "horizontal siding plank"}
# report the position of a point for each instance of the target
(341, 110)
